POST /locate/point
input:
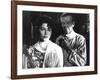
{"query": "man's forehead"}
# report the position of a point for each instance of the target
(44, 24)
(67, 18)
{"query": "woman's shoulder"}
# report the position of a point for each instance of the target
(34, 45)
(54, 45)
(56, 49)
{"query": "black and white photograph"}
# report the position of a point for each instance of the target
(50, 39)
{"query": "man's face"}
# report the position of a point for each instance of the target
(66, 22)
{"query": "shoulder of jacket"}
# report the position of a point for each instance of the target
(80, 37)
(59, 37)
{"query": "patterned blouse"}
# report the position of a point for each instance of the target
(52, 57)
(36, 59)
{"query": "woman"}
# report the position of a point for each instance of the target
(45, 53)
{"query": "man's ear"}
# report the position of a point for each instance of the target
(73, 24)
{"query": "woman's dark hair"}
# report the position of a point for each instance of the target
(45, 19)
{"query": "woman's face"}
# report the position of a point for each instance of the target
(45, 31)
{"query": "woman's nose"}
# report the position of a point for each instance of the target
(46, 31)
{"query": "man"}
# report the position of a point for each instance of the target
(72, 43)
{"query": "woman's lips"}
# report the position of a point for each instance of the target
(45, 36)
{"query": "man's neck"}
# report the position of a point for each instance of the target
(69, 31)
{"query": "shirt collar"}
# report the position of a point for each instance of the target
(70, 35)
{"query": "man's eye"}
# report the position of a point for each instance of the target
(41, 28)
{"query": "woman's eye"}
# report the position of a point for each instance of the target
(49, 29)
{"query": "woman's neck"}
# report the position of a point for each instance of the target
(43, 44)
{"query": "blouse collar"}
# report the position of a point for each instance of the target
(38, 47)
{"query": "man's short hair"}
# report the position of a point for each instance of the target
(67, 14)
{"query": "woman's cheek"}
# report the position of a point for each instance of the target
(50, 33)
(42, 33)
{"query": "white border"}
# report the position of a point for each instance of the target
(21, 71)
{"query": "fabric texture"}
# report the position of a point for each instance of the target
(52, 57)
(74, 49)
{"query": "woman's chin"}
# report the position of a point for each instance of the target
(46, 39)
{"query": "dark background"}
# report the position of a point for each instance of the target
(30, 34)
